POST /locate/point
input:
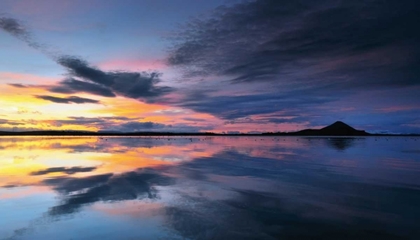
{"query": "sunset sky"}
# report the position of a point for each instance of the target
(200, 65)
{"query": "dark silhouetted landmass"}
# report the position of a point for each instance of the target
(336, 129)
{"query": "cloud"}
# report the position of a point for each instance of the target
(358, 44)
(96, 122)
(13, 27)
(87, 120)
(233, 107)
(17, 85)
(137, 85)
(71, 85)
(135, 126)
(281, 58)
(298, 58)
(17, 29)
(123, 124)
(141, 126)
(192, 119)
(70, 170)
(86, 78)
(133, 64)
(11, 122)
(71, 99)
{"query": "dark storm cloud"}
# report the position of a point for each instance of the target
(70, 170)
(349, 43)
(70, 99)
(137, 85)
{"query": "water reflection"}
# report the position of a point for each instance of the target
(78, 192)
(341, 143)
(209, 188)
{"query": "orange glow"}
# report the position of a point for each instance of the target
(126, 107)
(19, 157)
(25, 111)
(22, 78)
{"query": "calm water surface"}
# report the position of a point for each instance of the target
(209, 188)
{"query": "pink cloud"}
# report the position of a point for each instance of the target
(397, 109)
(10, 77)
(132, 65)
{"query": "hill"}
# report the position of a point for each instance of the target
(336, 129)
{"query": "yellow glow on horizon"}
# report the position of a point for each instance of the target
(120, 106)
(22, 110)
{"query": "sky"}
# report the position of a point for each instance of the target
(199, 65)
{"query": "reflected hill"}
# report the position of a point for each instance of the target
(340, 144)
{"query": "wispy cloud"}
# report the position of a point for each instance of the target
(15, 28)
(66, 170)
(137, 85)
(71, 99)
(234, 107)
(266, 61)
(359, 44)
(71, 85)
(123, 124)
(295, 57)
(89, 79)
(18, 30)
(11, 122)
(18, 85)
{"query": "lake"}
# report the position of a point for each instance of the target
(209, 188)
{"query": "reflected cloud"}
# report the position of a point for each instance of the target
(78, 192)
(279, 199)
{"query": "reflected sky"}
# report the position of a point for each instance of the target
(209, 188)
